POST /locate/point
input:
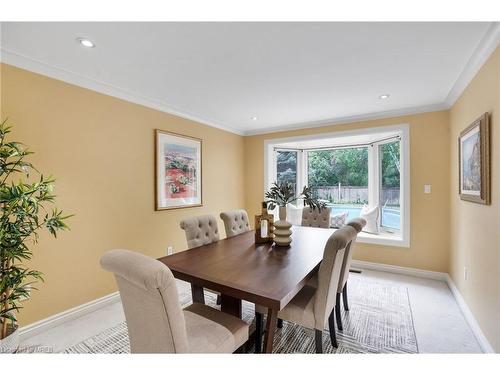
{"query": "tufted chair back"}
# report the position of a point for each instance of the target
(235, 222)
(200, 230)
(329, 273)
(150, 301)
(315, 218)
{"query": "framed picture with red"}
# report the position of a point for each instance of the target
(178, 162)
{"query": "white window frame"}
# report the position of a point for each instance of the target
(400, 239)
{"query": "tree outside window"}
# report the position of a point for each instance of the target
(286, 167)
(339, 176)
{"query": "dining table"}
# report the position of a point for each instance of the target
(261, 273)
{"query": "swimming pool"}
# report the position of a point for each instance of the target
(390, 216)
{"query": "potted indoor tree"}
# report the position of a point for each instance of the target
(24, 212)
(280, 195)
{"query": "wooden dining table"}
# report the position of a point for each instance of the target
(240, 269)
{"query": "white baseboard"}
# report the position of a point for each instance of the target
(68, 315)
(441, 276)
(469, 317)
(401, 270)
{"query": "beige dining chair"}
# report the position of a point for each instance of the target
(313, 306)
(235, 222)
(201, 230)
(358, 224)
(313, 217)
(155, 320)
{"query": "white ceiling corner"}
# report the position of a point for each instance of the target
(483, 51)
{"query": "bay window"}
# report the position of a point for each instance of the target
(349, 170)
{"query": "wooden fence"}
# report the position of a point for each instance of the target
(355, 194)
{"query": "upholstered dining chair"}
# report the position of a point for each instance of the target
(313, 306)
(316, 218)
(235, 222)
(201, 230)
(358, 224)
(155, 320)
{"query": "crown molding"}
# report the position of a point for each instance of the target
(35, 66)
(351, 119)
(483, 51)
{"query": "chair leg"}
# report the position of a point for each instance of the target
(344, 296)
(280, 323)
(258, 332)
(218, 302)
(337, 313)
(318, 340)
(331, 327)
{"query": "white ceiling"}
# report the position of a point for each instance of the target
(287, 74)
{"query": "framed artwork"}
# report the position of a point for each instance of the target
(178, 171)
(474, 161)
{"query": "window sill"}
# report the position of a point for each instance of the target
(388, 239)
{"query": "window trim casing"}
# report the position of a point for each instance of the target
(403, 239)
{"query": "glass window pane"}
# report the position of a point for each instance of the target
(286, 167)
(390, 185)
(340, 177)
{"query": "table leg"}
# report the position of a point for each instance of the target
(231, 305)
(272, 317)
(197, 293)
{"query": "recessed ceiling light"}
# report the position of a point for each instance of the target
(85, 42)
(385, 96)
(254, 118)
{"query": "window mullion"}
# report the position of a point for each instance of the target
(373, 176)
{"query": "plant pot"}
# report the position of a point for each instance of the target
(282, 229)
(10, 344)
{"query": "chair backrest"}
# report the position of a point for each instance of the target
(329, 273)
(148, 291)
(200, 230)
(235, 222)
(315, 217)
(358, 224)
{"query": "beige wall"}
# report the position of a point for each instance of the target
(101, 150)
(429, 148)
(475, 228)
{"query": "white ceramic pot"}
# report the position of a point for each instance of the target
(282, 229)
(10, 344)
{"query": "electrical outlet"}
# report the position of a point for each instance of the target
(170, 250)
(466, 276)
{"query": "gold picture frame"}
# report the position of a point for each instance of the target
(474, 161)
(178, 171)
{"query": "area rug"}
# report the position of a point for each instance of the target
(379, 321)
